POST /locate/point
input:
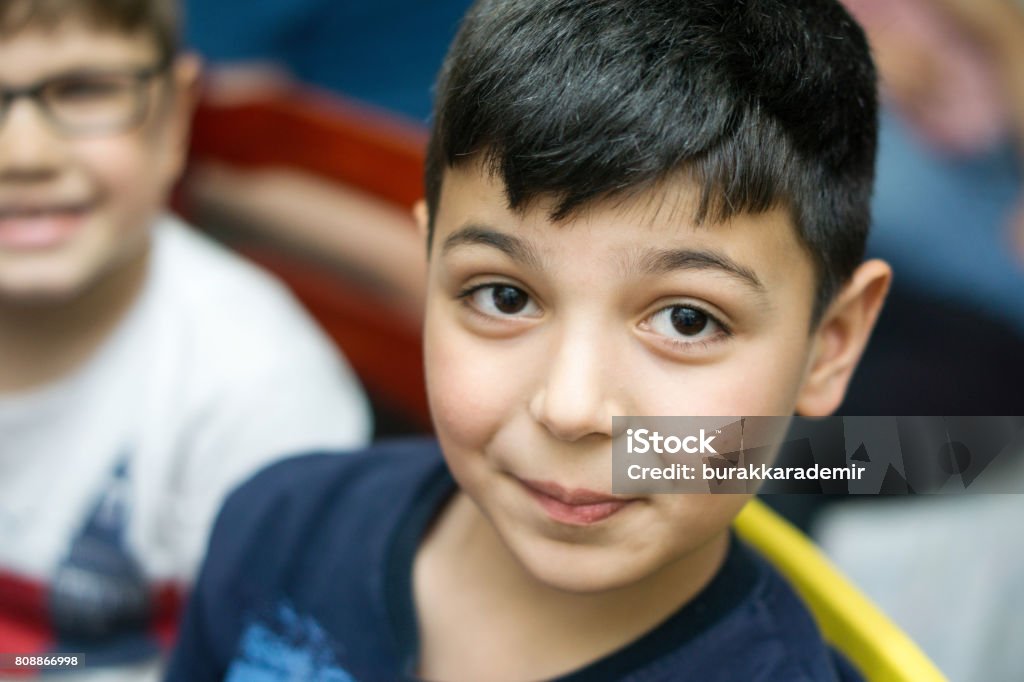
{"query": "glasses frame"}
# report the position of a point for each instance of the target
(36, 94)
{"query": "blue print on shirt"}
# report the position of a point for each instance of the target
(99, 601)
(289, 648)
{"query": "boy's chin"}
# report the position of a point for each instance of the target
(37, 294)
(59, 279)
(574, 583)
(582, 570)
(45, 289)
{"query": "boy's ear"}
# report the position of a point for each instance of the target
(186, 71)
(841, 337)
(185, 83)
(419, 214)
(422, 218)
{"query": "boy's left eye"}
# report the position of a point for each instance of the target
(501, 300)
(685, 323)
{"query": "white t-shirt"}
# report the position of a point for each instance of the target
(110, 479)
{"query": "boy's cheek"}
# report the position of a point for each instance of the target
(464, 398)
(744, 385)
(131, 169)
(762, 380)
(693, 520)
(473, 388)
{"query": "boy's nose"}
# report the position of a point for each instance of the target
(576, 398)
(29, 147)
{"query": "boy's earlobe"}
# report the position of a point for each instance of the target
(422, 218)
(186, 72)
(841, 338)
(419, 214)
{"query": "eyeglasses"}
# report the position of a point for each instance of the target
(89, 102)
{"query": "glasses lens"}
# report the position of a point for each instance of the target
(95, 102)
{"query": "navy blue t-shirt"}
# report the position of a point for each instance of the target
(309, 577)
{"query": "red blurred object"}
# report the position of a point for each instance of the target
(351, 144)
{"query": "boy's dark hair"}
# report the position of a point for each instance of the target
(762, 103)
(159, 18)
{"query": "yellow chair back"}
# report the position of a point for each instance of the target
(848, 620)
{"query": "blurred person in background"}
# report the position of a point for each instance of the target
(949, 215)
(383, 55)
(948, 208)
(144, 370)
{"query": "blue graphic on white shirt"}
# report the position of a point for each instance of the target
(99, 596)
(288, 648)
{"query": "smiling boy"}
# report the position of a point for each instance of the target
(633, 208)
(143, 370)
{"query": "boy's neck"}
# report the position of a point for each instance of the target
(483, 616)
(42, 343)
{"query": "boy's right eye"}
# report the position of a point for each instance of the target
(500, 300)
(77, 90)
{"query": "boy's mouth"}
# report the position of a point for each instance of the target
(578, 506)
(40, 227)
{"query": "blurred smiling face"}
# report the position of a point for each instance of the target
(537, 333)
(86, 164)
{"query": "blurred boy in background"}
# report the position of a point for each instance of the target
(143, 369)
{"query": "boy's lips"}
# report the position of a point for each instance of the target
(578, 506)
(34, 227)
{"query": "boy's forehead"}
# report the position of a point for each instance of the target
(35, 52)
(646, 231)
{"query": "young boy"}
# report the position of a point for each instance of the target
(143, 370)
(634, 207)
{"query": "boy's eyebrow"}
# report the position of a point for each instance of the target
(515, 248)
(660, 262)
(653, 262)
